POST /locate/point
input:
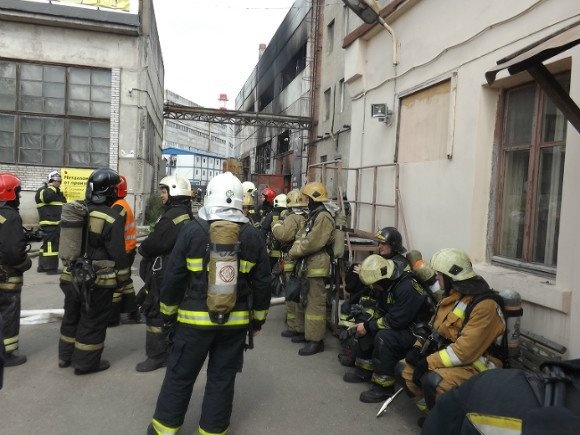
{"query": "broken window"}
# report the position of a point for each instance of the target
(263, 153)
(284, 142)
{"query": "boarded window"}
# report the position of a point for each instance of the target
(430, 109)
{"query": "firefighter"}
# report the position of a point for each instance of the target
(272, 245)
(87, 303)
(249, 188)
(124, 296)
(455, 351)
(200, 331)
(313, 246)
(14, 261)
(268, 195)
(249, 209)
(286, 231)
(49, 200)
(386, 337)
(155, 249)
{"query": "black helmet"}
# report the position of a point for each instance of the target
(101, 188)
(392, 237)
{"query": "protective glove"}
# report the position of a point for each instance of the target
(421, 368)
(141, 296)
(413, 356)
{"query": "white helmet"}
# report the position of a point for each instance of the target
(177, 185)
(280, 201)
(224, 190)
(53, 176)
(249, 187)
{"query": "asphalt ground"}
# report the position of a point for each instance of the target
(277, 392)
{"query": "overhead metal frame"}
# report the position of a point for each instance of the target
(235, 117)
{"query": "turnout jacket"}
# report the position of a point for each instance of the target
(13, 256)
(49, 200)
(399, 306)
(106, 235)
(468, 343)
(313, 241)
(184, 289)
(285, 231)
(162, 239)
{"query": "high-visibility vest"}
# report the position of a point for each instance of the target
(130, 226)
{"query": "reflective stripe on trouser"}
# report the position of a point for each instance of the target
(48, 253)
(295, 316)
(124, 301)
(82, 331)
(186, 358)
(315, 312)
(451, 377)
(10, 311)
(155, 344)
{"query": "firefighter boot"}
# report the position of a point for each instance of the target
(357, 375)
(11, 359)
(376, 394)
(151, 364)
(288, 333)
(103, 365)
(311, 348)
(299, 338)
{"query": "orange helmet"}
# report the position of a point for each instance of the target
(269, 193)
(121, 188)
(9, 185)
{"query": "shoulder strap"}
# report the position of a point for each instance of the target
(202, 223)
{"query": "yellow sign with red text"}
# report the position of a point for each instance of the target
(122, 5)
(74, 183)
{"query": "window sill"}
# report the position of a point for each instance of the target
(534, 289)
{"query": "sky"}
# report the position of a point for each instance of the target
(210, 47)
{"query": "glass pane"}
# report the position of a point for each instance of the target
(30, 156)
(54, 143)
(33, 89)
(54, 90)
(100, 129)
(6, 139)
(548, 205)
(100, 93)
(80, 108)
(77, 143)
(101, 78)
(520, 115)
(52, 105)
(100, 145)
(78, 92)
(7, 123)
(554, 122)
(54, 126)
(30, 72)
(80, 76)
(101, 110)
(52, 158)
(7, 86)
(30, 141)
(79, 159)
(7, 102)
(6, 154)
(7, 69)
(54, 74)
(99, 159)
(31, 104)
(514, 204)
(78, 128)
(31, 125)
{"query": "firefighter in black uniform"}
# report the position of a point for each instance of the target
(87, 307)
(268, 195)
(386, 337)
(199, 331)
(14, 261)
(49, 200)
(176, 197)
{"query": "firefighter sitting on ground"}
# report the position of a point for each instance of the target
(124, 308)
(458, 347)
(286, 231)
(88, 286)
(385, 337)
(14, 261)
(216, 291)
(155, 249)
(49, 200)
(313, 246)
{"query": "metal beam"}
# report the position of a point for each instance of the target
(235, 117)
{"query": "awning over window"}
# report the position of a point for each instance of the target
(530, 59)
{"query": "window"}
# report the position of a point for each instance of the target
(284, 142)
(327, 104)
(330, 37)
(345, 20)
(532, 153)
(54, 115)
(341, 89)
(263, 153)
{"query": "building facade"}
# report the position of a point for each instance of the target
(490, 169)
(197, 166)
(81, 88)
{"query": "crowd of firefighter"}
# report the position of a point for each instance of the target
(208, 282)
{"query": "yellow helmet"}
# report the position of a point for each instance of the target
(248, 200)
(454, 263)
(376, 268)
(315, 190)
(296, 199)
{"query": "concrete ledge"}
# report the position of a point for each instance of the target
(534, 289)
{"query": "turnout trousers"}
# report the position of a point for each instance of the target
(84, 324)
(294, 314)
(315, 311)
(190, 349)
(124, 300)
(10, 312)
(48, 254)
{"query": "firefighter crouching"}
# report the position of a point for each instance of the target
(285, 231)
(313, 246)
(88, 283)
(386, 337)
(49, 200)
(456, 349)
(124, 296)
(211, 311)
(14, 261)
(175, 194)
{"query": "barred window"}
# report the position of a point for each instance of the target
(54, 115)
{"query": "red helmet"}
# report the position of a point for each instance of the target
(270, 194)
(121, 188)
(9, 184)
